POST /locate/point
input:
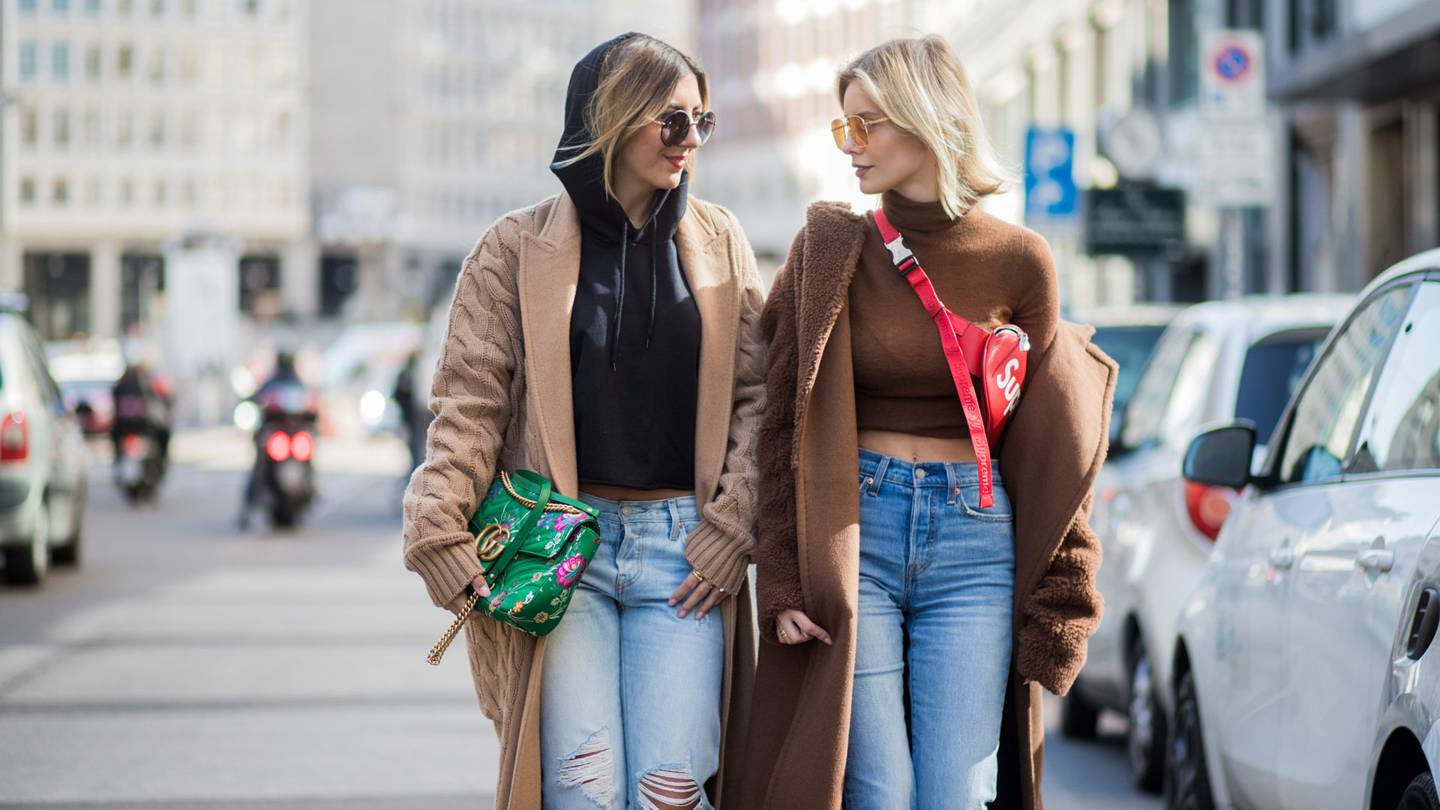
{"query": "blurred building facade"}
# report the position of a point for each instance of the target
(432, 119)
(128, 125)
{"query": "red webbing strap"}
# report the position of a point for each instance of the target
(951, 328)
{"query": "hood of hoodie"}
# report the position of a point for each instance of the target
(584, 180)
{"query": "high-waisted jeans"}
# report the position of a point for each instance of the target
(937, 579)
(630, 692)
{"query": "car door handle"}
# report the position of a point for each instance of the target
(1282, 557)
(1377, 560)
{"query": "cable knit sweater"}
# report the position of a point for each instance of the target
(501, 400)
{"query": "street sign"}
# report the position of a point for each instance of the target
(1232, 73)
(1050, 192)
(1237, 156)
(1133, 219)
(1133, 143)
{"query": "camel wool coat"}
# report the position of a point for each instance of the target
(808, 552)
(502, 400)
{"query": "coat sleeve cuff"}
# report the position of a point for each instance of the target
(775, 598)
(447, 564)
(719, 557)
(1052, 657)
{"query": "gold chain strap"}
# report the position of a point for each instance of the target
(438, 651)
(529, 504)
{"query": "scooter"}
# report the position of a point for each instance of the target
(287, 471)
(138, 467)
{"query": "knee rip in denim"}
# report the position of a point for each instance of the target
(591, 768)
(669, 787)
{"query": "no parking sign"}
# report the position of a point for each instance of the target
(1232, 73)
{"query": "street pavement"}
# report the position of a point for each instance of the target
(189, 664)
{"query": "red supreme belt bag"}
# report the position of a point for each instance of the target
(997, 358)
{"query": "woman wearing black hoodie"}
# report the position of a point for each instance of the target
(609, 338)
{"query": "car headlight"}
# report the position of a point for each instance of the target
(372, 407)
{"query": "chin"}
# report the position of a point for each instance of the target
(871, 186)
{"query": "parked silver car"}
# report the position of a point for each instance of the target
(42, 461)
(1217, 362)
(1303, 675)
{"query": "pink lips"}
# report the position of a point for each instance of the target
(861, 170)
(677, 162)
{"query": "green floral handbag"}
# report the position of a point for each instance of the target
(534, 545)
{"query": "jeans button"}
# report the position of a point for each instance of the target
(920, 474)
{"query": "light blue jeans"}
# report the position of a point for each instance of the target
(937, 578)
(630, 692)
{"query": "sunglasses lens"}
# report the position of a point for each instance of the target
(674, 127)
(837, 129)
(859, 131)
(705, 127)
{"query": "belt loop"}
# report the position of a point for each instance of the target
(952, 484)
(672, 505)
(879, 475)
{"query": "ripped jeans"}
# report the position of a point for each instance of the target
(630, 692)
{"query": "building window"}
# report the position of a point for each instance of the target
(91, 130)
(188, 63)
(142, 279)
(251, 7)
(339, 276)
(29, 60)
(124, 7)
(161, 194)
(125, 61)
(189, 128)
(1183, 60)
(27, 191)
(60, 61)
(92, 192)
(187, 8)
(127, 192)
(58, 285)
(157, 8)
(27, 6)
(188, 193)
(61, 135)
(92, 7)
(124, 129)
(92, 63)
(157, 64)
(259, 283)
(1312, 22)
(60, 192)
(60, 7)
(29, 126)
(157, 129)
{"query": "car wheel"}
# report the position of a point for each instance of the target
(1079, 718)
(1187, 780)
(68, 554)
(1420, 795)
(26, 565)
(1146, 741)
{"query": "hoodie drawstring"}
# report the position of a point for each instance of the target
(654, 248)
(619, 297)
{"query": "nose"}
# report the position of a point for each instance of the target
(851, 147)
(692, 137)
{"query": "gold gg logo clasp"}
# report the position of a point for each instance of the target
(491, 541)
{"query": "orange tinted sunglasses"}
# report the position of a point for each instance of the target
(858, 128)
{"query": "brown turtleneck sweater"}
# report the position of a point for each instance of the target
(985, 270)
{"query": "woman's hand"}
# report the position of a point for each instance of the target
(695, 590)
(458, 603)
(794, 627)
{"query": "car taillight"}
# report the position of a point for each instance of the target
(132, 445)
(1208, 507)
(14, 438)
(277, 447)
(302, 446)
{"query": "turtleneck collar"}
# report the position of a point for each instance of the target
(909, 216)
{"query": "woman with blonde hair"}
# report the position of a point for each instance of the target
(915, 591)
(608, 339)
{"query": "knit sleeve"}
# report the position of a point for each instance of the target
(470, 398)
(1063, 611)
(777, 566)
(720, 547)
(1037, 309)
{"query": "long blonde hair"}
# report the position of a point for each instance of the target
(921, 87)
(637, 77)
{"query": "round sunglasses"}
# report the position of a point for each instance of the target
(675, 127)
(858, 128)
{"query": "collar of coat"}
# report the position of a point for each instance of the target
(1058, 437)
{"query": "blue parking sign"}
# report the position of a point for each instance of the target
(1050, 191)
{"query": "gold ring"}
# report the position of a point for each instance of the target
(785, 637)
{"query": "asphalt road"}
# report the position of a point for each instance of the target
(189, 664)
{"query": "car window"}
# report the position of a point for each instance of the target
(1402, 426)
(1328, 411)
(1273, 368)
(1146, 412)
(45, 387)
(1130, 347)
(1192, 386)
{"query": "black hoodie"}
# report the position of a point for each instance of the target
(635, 329)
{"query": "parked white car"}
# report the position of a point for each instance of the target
(42, 461)
(1217, 362)
(1303, 674)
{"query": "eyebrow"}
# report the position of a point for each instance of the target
(675, 105)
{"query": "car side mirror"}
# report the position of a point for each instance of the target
(1221, 457)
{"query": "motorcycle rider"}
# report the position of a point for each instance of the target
(142, 406)
(283, 394)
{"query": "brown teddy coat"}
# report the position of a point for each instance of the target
(808, 548)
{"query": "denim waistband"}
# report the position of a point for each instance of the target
(939, 474)
(672, 508)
